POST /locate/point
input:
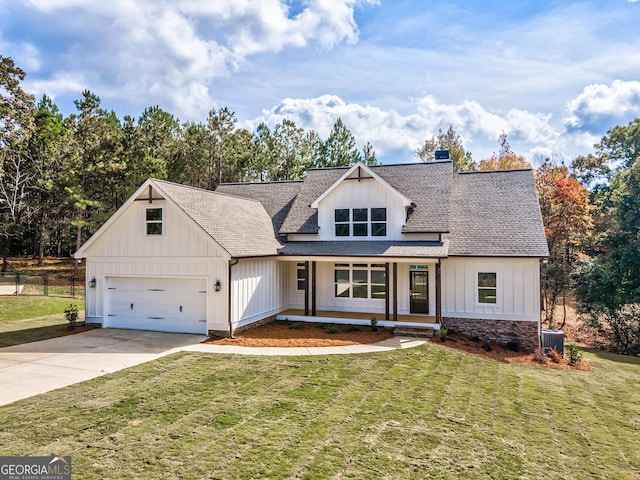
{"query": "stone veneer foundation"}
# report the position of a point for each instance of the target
(500, 331)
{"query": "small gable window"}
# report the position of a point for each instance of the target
(154, 220)
(487, 287)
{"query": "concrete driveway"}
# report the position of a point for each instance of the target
(34, 368)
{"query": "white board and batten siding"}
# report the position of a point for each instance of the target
(131, 267)
(259, 289)
(518, 288)
(367, 193)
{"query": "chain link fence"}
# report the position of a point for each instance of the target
(41, 284)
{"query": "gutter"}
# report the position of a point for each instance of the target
(232, 262)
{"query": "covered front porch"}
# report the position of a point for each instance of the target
(398, 292)
(358, 318)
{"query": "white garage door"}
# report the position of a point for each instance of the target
(160, 304)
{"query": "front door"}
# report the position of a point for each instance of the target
(419, 285)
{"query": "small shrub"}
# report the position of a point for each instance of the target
(539, 356)
(353, 328)
(332, 329)
(555, 356)
(374, 324)
(513, 345)
(574, 353)
(71, 314)
(296, 326)
(322, 326)
(444, 331)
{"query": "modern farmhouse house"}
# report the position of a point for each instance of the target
(409, 244)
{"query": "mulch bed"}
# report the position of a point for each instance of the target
(280, 334)
(502, 353)
(78, 329)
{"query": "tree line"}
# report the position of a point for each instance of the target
(62, 176)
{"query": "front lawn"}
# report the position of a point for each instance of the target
(427, 412)
(28, 319)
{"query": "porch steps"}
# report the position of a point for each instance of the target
(421, 332)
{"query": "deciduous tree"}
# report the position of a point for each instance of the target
(505, 159)
(17, 113)
(609, 287)
(566, 212)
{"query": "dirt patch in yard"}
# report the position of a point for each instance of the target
(305, 334)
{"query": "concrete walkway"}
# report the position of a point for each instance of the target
(33, 368)
(393, 343)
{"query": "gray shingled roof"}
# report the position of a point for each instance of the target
(302, 218)
(486, 213)
(276, 197)
(241, 226)
(367, 249)
(496, 214)
(427, 185)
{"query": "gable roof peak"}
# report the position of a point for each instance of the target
(359, 167)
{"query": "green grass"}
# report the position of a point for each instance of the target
(29, 319)
(427, 412)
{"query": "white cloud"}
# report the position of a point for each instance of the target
(390, 131)
(602, 103)
(58, 84)
(171, 52)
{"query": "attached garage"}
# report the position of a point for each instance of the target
(157, 303)
(162, 262)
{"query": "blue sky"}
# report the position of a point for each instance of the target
(554, 75)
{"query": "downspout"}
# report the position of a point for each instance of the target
(542, 305)
(439, 291)
(232, 262)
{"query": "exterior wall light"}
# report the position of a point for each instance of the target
(217, 286)
(92, 283)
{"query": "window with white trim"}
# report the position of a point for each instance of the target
(487, 287)
(301, 276)
(360, 280)
(378, 222)
(154, 219)
(360, 222)
(342, 218)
